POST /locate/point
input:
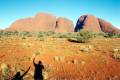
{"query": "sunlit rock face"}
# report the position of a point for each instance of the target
(89, 22)
(43, 22)
(95, 24)
(108, 27)
(64, 25)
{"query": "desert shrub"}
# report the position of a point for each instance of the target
(16, 33)
(41, 34)
(111, 35)
(100, 34)
(82, 37)
(56, 35)
(1, 33)
(25, 34)
(73, 40)
(116, 53)
(6, 33)
(108, 35)
(63, 35)
(50, 33)
(5, 69)
(116, 36)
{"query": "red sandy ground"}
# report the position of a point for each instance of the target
(97, 63)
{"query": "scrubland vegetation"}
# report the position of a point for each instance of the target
(81, 37)
(61, 53)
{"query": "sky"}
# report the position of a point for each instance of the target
(12, 10)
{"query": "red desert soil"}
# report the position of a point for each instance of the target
(63, 60)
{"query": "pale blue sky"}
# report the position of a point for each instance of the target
(11, 10)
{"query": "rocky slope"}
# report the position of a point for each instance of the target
(43, 22)
(95, 24)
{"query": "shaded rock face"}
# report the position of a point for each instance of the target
(42, 22)
(80, 23)
(88, 22)
(92, 23)
(64, 25)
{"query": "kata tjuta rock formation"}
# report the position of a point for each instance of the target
(108, 27)
(89, 22)
(95, 24)
(43, 22)
(64, 25)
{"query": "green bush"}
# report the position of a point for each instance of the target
(111, 35)
(63, 35)
(5, 33)
(8, 33)
(24, 34)
(108, 35)
(1, 33)
(50, 33)
(41, 34)
(100, 34)
(82, 37)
